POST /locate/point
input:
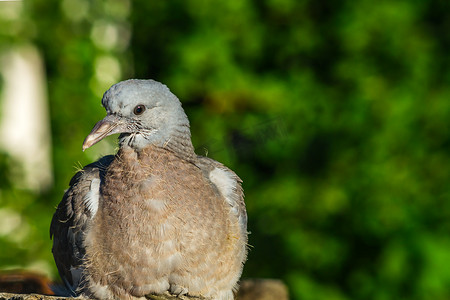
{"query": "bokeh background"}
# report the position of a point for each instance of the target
(336, 115)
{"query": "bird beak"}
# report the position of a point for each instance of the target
(111, 124)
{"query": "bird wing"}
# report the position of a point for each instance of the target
(229, 185)
(72, 218)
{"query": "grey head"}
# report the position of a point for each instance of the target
(145, 113)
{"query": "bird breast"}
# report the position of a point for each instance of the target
(157, 216)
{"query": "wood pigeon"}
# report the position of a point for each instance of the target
(155, 217)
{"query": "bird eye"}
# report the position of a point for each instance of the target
(139, 109)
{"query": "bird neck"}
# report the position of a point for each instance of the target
(176, 140)
(179, 142)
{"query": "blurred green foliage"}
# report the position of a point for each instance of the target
(334, 113)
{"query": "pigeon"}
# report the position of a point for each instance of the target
(154, 218)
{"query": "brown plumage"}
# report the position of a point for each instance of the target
(155, 217)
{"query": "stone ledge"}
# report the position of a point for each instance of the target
(250, 289)
(11, 296)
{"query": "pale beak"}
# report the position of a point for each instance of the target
(111, 124)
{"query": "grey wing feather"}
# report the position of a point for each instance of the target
(236, 197)
(71, 221)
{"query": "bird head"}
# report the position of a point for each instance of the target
(144, 112)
